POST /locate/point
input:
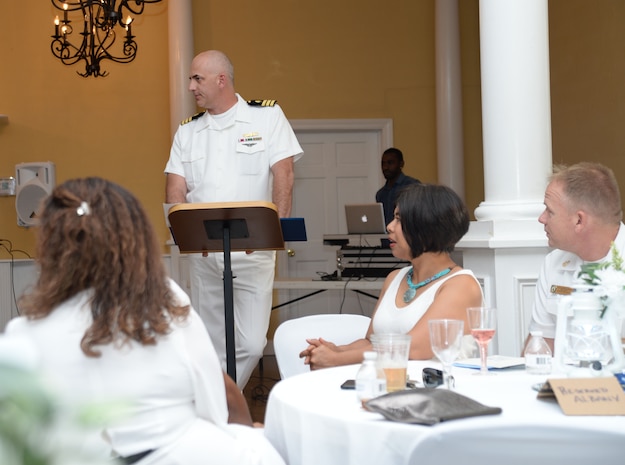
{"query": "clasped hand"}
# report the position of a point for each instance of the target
(319, 353)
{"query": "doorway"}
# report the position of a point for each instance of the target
(341, 165)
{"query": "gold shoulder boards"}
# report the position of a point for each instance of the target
(191, 118)
(261, 103)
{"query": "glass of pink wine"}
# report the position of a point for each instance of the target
(482, 322)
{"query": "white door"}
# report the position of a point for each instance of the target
(341, 165)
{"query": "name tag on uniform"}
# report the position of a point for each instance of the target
(560, 290)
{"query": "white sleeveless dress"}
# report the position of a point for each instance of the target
(389, 318)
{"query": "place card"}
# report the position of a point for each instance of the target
(586, 396)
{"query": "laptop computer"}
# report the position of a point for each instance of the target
(365, 218)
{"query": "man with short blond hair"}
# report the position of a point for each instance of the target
(582, 218)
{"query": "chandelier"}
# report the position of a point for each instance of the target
(101, 21)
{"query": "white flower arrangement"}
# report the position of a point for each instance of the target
(607, 279)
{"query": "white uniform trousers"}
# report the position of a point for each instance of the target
(252, 295)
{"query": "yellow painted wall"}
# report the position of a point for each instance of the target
(322, 59)
(588, 82)
(115, 127)
(349, 59)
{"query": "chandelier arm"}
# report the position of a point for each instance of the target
(129, 50)
(140, 5)
(100, 19)
(62, 51)
(71, 6)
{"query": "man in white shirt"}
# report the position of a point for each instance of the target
(235, 151)
(582, 218)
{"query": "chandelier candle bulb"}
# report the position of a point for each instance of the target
(129, 28)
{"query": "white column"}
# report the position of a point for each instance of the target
(181, 101)
(516, 116)
(449, 133)
(180, 22)
(505, 248)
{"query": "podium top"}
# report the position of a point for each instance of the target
(200, 227)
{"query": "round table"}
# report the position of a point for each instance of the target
(312, 421)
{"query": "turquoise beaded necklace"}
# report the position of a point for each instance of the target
(412, 288)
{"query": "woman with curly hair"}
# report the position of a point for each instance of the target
(109, 325)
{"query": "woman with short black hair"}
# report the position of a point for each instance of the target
(429, 220)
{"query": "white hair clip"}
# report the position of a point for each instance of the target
(83, 209)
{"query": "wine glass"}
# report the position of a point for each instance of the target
(446, 341)
(482, 321)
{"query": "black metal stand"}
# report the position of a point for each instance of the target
(229, 308)
(225, 227)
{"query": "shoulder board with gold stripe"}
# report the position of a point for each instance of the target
(262, 103)
(191, 118)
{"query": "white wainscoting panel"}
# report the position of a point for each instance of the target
(16, 276)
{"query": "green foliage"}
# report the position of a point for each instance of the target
(25, 410)
(34, 430)
(617, 260)
(590, 274)
(588, 271)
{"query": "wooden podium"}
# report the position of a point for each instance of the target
(226, 227)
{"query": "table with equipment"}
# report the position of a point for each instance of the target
(315, 286)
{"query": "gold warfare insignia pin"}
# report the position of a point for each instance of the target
(250, 139)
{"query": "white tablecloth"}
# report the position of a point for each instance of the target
(311, 421)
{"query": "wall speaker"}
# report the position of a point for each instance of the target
(34, 182)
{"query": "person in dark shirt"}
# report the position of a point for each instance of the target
(392, 164)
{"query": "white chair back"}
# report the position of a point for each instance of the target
(290, 337)
(463, 441)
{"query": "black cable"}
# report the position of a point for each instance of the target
(10, 250)
(328, 276)
(362, 310)
(349, 279)
(260, 392)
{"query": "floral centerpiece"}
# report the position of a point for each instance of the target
(608, 280)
